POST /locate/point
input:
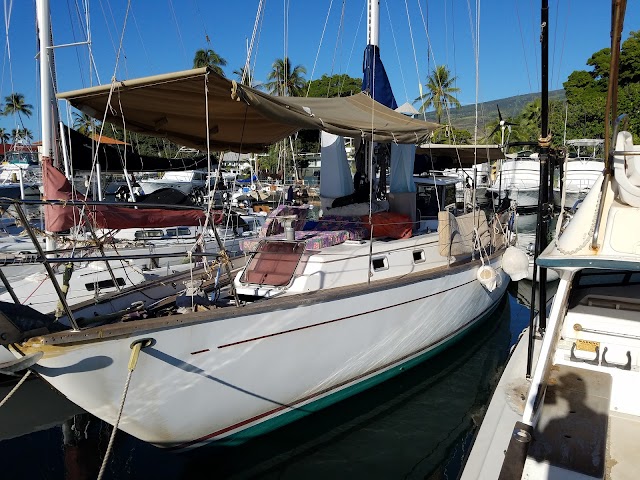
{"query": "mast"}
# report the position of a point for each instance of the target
(46, 86)
(46, 91)
(544, 210)
(373, 24)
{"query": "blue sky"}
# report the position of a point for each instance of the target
(162, 35)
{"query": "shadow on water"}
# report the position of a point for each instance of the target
(416, 425)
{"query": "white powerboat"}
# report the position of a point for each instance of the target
(576, 415)
(582, 166)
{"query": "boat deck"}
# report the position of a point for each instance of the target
(590, 420)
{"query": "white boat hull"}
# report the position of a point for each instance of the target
(236, 373)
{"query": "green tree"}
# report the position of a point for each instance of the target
(284, 80)
(334, 86)
(4, 135)
(630, 60)
(15, 104)
(21, 134)
(600, 62)
(440, 90)
(209, 58)
(246, 79)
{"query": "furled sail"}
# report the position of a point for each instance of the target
(59, 218)
(375, 81)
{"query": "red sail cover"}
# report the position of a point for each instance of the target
(59, 218)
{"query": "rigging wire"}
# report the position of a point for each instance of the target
(109, 25)
(338, 46)
(535, 41)
(248, 71)
(524, 52)
(564, 41)
(353, 45)
(395, 45)
(413, 47)
(175, 20)
(315, 62)
(7, 23)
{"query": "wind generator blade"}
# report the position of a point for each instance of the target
(494, 131)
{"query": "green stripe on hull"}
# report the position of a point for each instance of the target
(298, 413)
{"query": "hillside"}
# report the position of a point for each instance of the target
(464, 117)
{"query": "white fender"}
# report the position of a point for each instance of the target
(515, 263)
(488, 277)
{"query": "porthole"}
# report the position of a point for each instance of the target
(380, 263)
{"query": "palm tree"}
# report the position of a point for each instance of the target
(439, 92)
(285, 81)
(21, 134)
(83, 123)
(14, 105)
(4, 135)
(244, 76)
(209, 58)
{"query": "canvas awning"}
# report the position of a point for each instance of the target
(452, 156)
(241, 119)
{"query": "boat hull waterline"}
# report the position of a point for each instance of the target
(232, 376)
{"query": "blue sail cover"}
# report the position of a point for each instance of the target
(375, 80)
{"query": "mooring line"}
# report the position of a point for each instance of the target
(133, 360)
(14, 389)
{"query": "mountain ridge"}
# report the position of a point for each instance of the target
(463, 118)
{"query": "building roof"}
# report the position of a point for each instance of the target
(107, 140)
(407, 109)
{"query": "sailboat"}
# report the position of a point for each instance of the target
(321, 310)
(576, 415)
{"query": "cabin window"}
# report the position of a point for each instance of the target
(379, 264)
(178, 232)
(146, 234)
(450, 195)
(102, 284)
(418, 256)
(426, 201)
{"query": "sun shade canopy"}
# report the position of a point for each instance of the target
(452, 156)
(241, 119)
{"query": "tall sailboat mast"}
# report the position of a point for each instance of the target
(373, 24)
(47, 106)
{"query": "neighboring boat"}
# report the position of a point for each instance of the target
(322, 309)
(194, 183)
(20, 173)
(471, 167)
(582, 166)
(517, 179)
(577, 415)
